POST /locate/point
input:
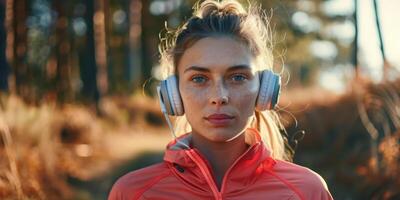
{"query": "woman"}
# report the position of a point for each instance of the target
(221, 85)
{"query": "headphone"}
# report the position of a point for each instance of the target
(171, 101)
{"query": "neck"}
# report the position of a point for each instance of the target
(220, 155)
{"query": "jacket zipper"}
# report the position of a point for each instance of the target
(230, 168)
(206, 174)
(209, 178)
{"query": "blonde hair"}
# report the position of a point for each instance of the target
(251, 26)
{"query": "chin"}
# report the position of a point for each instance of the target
(222, 135)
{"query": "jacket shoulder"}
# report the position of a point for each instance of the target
(305, 182)
(133, 184)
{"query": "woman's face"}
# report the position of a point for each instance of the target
(217, 77)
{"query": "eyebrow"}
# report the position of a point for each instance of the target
(204, 69)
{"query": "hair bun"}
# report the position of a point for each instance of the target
(226, 7)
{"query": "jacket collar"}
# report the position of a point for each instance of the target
(244, 170)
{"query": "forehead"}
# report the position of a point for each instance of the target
(216, 53)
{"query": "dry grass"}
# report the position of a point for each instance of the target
(42, 146)
(351, 139)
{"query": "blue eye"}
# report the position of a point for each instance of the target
(198, 79)
(238, 77)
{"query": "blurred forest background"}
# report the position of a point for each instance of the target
(77, 106)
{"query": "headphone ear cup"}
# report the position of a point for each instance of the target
(170, 96)
(268, 94)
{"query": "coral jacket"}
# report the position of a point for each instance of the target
(186, 174)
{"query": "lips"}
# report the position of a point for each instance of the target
(219, 116)
(219, 120)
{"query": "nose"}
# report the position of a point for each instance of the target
(220, 94)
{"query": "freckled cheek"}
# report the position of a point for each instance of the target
(246, 98)
(193, 98)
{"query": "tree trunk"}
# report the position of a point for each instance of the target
(4, 68)
(135, 54)
(355, 42)
(61, 56)
(9, 27)
(87, 59)
(386, 65)
(20, 67)
(101, 45)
